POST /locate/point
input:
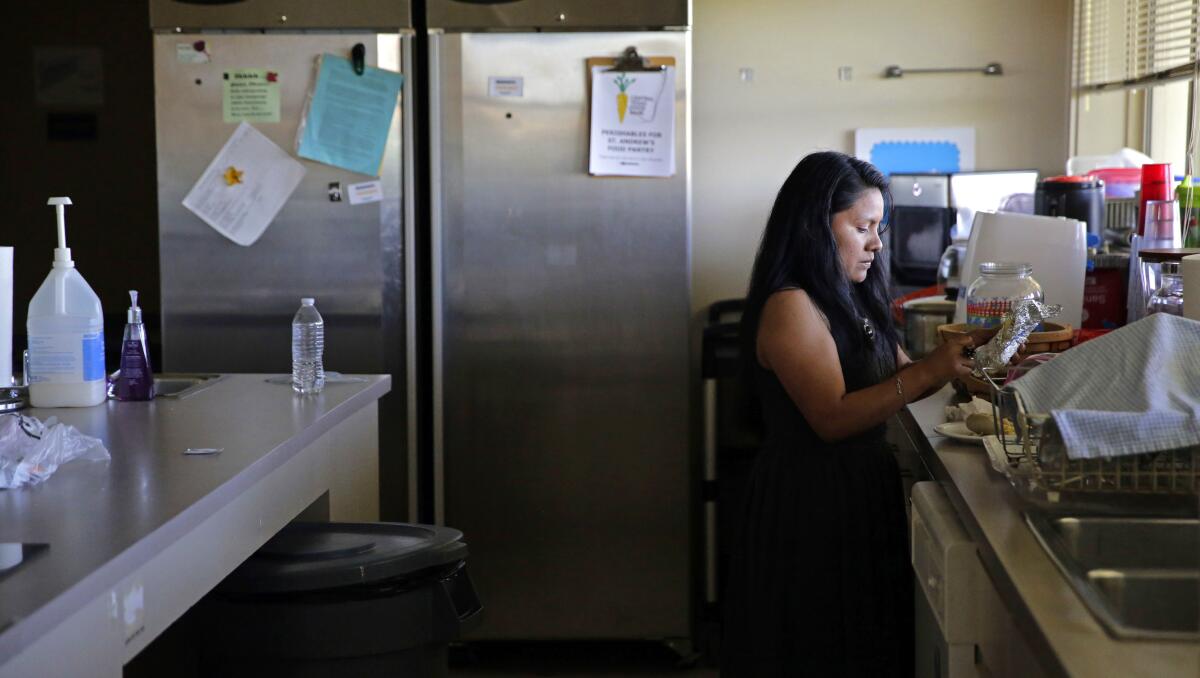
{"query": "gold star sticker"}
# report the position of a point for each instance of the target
(233, 176)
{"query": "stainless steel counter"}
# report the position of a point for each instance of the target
(135, 541)
(1054, 621)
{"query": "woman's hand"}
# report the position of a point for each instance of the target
(947, 361)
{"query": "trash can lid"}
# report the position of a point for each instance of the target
(319, 556)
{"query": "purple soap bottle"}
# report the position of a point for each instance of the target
(135, 381)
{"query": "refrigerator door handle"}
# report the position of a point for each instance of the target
(436, 282)
(410, 268)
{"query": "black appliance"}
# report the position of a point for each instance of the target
(922, 218)
(1073, 197)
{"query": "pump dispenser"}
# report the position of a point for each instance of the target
(62, 253)
(65, 325)
(135, 381)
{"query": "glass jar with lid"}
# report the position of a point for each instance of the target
(1169, 296)
(999, 285)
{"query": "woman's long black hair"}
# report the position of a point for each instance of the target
(798, 250)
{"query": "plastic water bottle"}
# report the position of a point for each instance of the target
(308, 347)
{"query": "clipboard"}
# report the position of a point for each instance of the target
(629, 62)
(658, 62)
(621, 63)
(631, 140)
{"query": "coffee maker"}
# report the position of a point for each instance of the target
(1074, 197)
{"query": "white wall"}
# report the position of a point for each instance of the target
(747, 136)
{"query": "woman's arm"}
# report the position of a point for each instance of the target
(794, 342)
(903, 361)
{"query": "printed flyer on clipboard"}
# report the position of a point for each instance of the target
(633, 123)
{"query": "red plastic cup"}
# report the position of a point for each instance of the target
(1156, 185)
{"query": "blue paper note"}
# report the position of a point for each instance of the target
(900, 157)
(349, 116)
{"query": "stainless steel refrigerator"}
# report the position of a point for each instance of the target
(560, 308)
(228, 308)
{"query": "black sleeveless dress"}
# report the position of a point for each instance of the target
(819, 581)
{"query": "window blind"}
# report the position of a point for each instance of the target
(1092, 53)
(1120, 43)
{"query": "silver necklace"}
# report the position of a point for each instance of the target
(868, 329)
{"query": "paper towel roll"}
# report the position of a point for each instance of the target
(6, 315)
(1191, 286)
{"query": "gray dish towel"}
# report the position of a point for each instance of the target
(1131, 391)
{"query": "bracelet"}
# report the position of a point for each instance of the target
(900, 390)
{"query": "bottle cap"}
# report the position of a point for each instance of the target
(307, 301)
(134, 315)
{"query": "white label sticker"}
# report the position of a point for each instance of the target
(367, 191)
(55, 358)
(506, 86)
(192, 52)
(66, 358)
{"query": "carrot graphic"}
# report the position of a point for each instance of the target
(622, 98)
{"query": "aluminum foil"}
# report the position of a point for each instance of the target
(1015, 328)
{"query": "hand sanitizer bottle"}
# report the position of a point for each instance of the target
(135, 381)
(66, 333)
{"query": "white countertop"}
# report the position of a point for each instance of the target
(104, 520)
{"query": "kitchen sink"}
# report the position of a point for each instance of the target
(175, 384)
(182, 385)
(1139, 576)
(1139, 543)
(1165, 602)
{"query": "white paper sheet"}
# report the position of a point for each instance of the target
(245, 186)
(633, 123)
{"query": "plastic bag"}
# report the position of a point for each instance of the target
(31, 451)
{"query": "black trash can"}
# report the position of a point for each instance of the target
(341, 599)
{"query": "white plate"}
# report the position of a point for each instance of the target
(959, 431)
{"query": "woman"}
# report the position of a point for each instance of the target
(820, 582)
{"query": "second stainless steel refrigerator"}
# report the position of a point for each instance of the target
(560, 326)
(228, 308)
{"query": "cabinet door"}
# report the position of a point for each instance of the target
(1001, 650)
(934, 657)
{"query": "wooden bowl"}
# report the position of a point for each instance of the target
(1054, 338)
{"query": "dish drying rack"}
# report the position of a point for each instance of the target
(1031, 453)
